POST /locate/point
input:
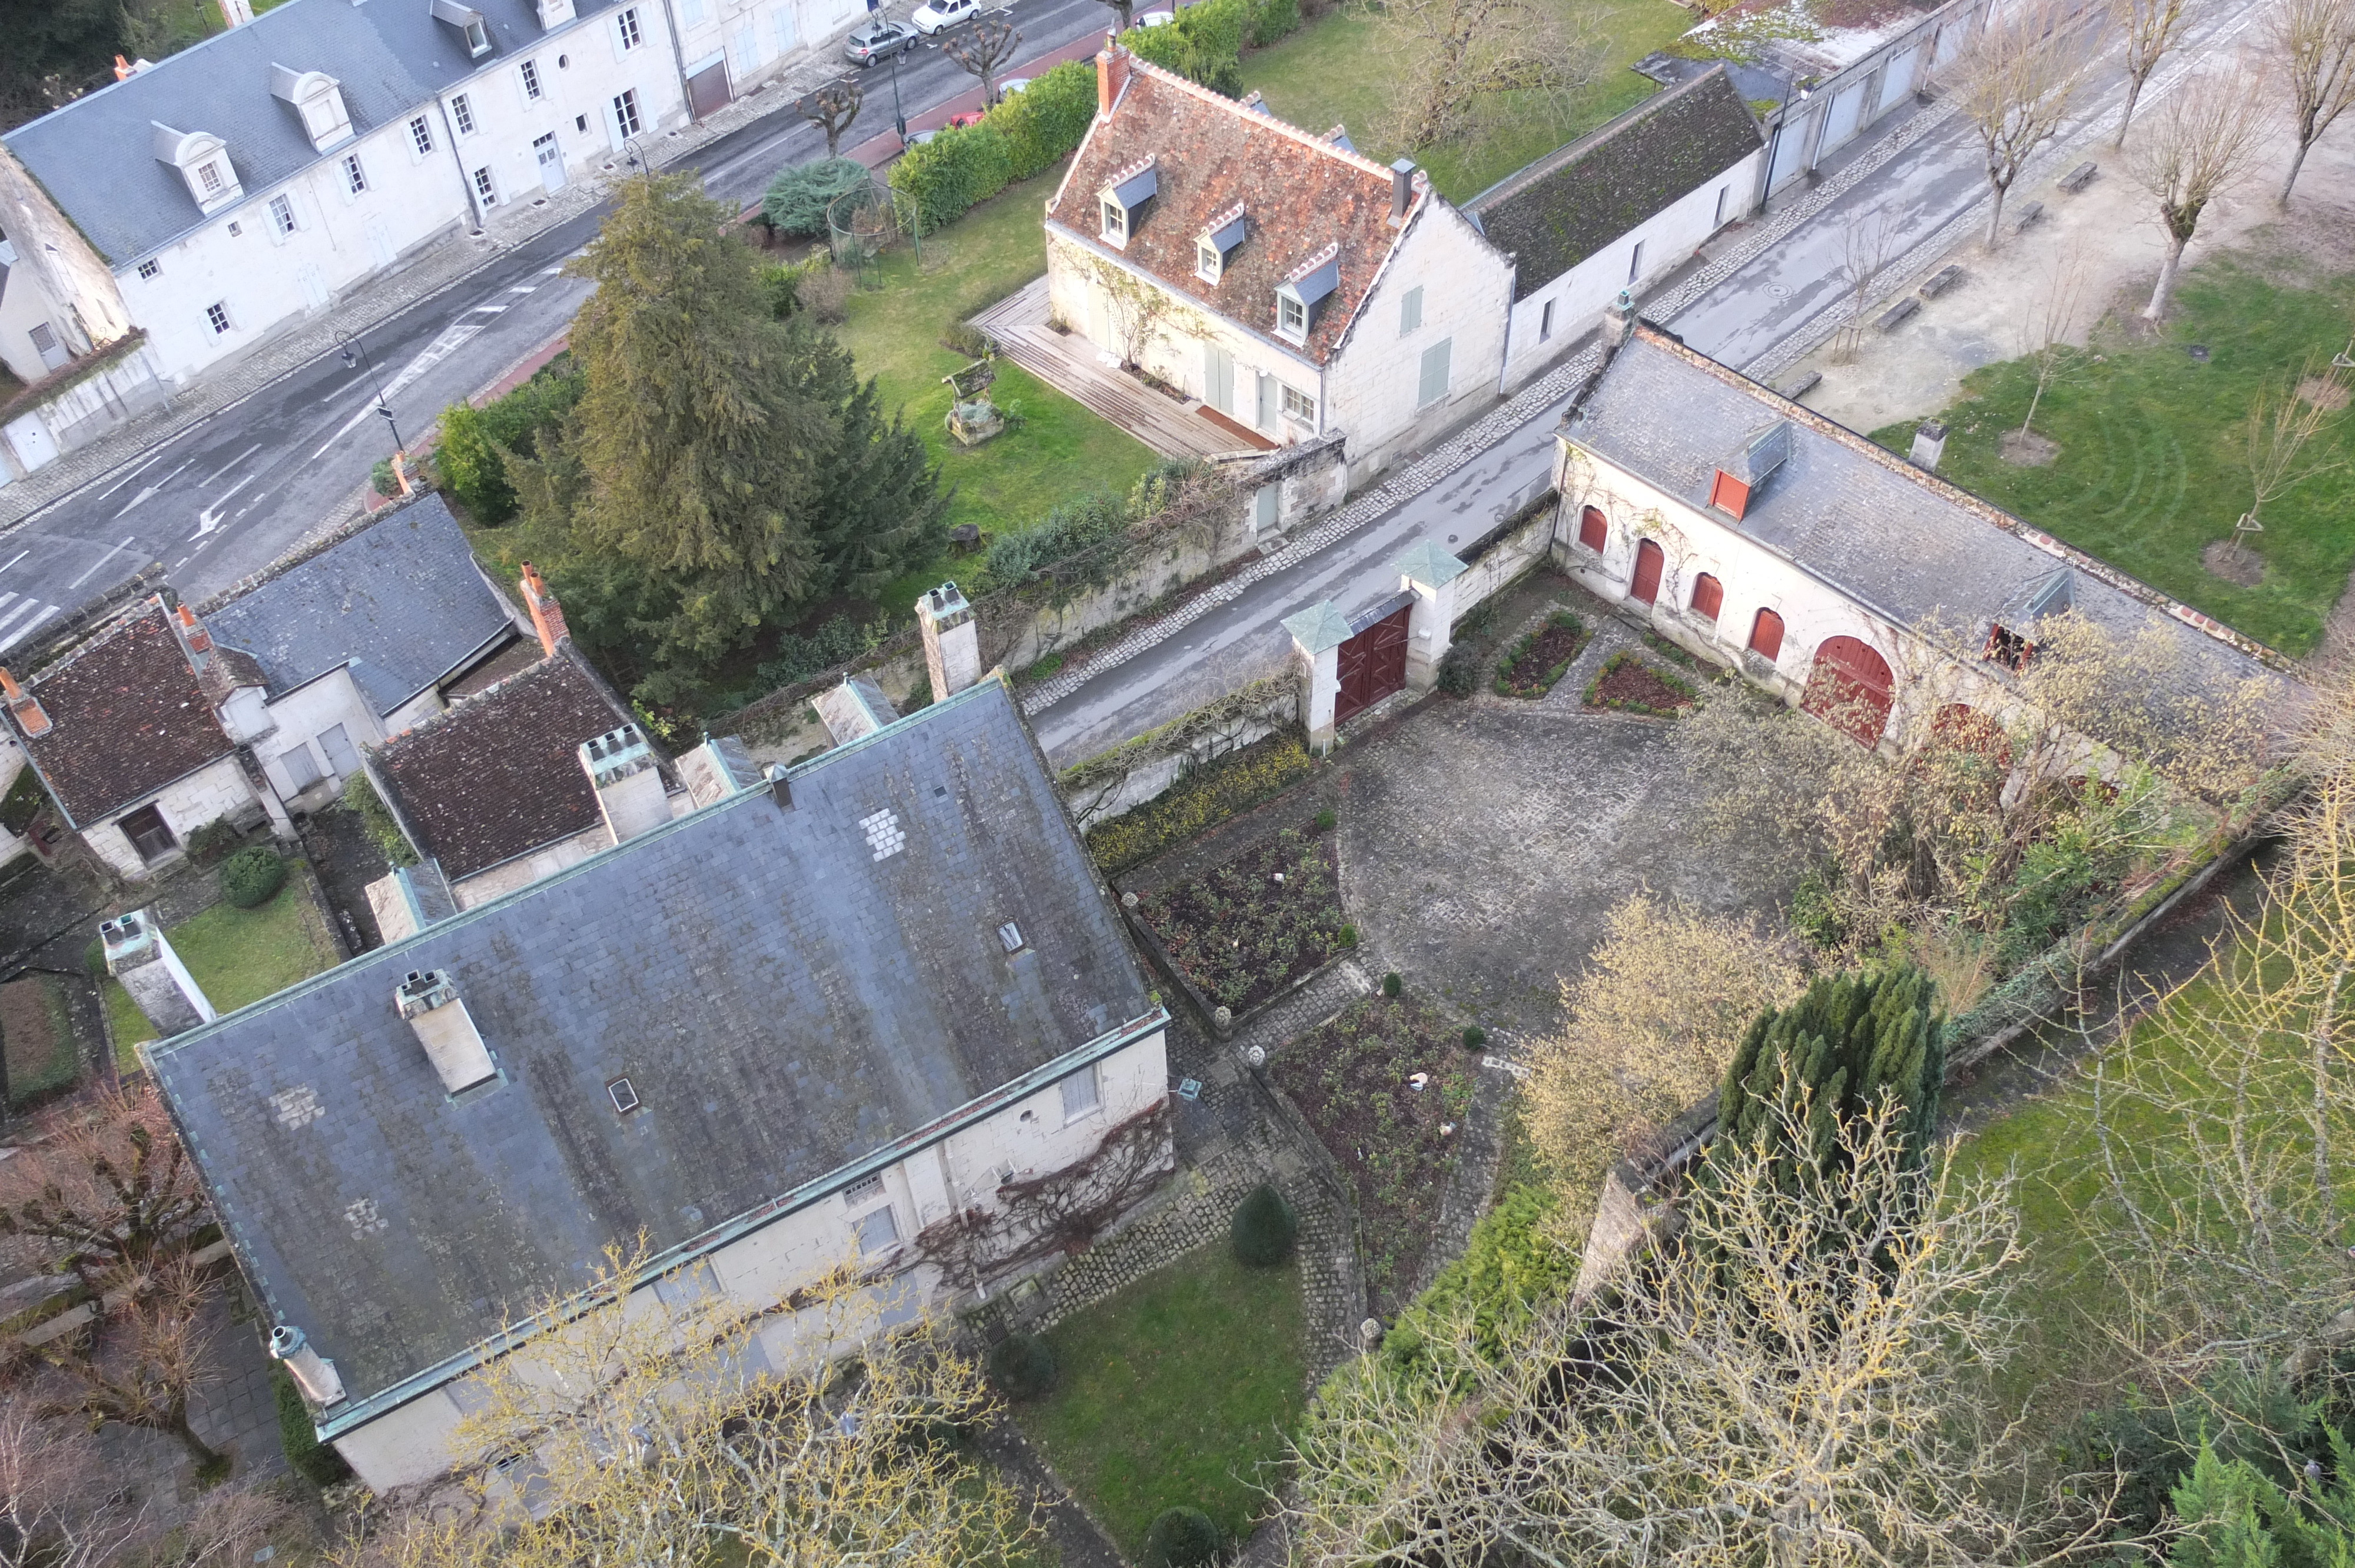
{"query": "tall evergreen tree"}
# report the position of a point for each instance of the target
(878, 506)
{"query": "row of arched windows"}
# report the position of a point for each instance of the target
(1708, 595)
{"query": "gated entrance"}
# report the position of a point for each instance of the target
(1372, 664)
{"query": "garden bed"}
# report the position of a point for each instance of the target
(1533, 665)
(37, 1037)
(1353, 1080)
(1206, 797)
(1627, 684)
(1257, 926)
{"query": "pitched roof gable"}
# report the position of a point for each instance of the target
(1300, 194)
(127, 716)
(1562, 208)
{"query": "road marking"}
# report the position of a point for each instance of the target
(553, 271)
(97, 563)
(26, 608)
(136, 471)
(251, 505)
(525, 288)
(149, 489)
(13, 559)
(230, 464)
(486, 310)
(4, 598)
(210, 518)
(28, 627)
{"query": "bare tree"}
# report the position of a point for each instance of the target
(2312, 46)
(983, 50)
(2282, 423)
(2052, 321)
(833, 108)
(141, 1362)
(1868, 246)
(59, 1505)
(1818, 1400)
(107, 1183)
(2197, 144)
(2151, 28)
(1455, 56)
(2014, 84)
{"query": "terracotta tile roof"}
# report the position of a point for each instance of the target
(496, 776)
(1573, 201)
(126, 717)
(1300, 194)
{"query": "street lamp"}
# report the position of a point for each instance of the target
(899, 116)
(355, 357)
(636, 156)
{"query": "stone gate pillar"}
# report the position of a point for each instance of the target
(1429, 573)
(1318, 632)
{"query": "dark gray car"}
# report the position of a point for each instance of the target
(879, 39)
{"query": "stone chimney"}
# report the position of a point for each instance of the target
(855, 709)
(430, 1003)
(1618, 322)
(409, 899)
(234, 12)
(547, 615)
(951, 641)
(1929, 445)
(1112, 73)
(1402, 189)
(31, 717)
(314, 1373)
(140, 956)
(627, 777)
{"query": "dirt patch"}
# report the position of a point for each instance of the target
(2026, 448)
(1629, 685)
(1249, 929)
(2323, 393)
(37, 1038)
(1538, 660)
(2225, 559)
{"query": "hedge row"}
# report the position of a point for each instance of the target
(1030, 131)
(1206, 41)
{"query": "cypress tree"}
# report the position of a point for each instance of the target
(879, 507)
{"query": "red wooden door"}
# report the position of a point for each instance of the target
(1649, 562)
(1373, 665)
(1850, 689)
(1593, 530)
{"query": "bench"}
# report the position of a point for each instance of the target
(1803, 386)
(2078, 178)
(2027, 215)
(1939, 282)
(1895, 317)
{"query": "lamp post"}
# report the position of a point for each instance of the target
(898, 115)
(637, 156)
(355, 357)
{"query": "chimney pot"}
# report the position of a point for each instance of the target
(312, 1372)
(1929, 445)
(780, 786)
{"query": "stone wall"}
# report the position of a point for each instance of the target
(89, 405)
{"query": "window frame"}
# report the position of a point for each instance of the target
(1594, 529)
(1091, 1079)
(1636, 264)
(150, 268)
(420, 136)
(355, 176)
(154, 810)
(216, 316)
(1545, 322)
(861, 1223)
(1758, 622)
(1446, 350)
(1112, 221)
(282, 215)
(1705, 583)
(1291, 318)
(625, 27)
(209, 178)
(528, 71)
(478, 40)
(461, 114)
(486, 191)
(1411, 311)
(1210, 262)
(1294, 404)
(625, 112)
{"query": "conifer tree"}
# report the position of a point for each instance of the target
(878, 505)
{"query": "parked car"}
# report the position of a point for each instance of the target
(876, 39)
(1007, 89)
(1156, 18)
(970, 117)
(935, 15)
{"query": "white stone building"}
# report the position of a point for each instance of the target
(1292, 285)
(730, 46)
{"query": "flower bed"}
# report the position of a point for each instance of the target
(1251, 928)
(1354, 1080)
(1533, 665)
(1630, 685)
(1205, 798)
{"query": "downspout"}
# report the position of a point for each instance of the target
(450, 139)
(678, 64)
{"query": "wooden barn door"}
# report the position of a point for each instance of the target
(1373, 665)
(1850, 689)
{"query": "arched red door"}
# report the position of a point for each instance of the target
(1851, 688)
(1593, 530)
(1649, 562)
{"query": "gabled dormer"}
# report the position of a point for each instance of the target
(1122, 200)
(554, 14)
(1217, 242)
(318, 98)
(1740, 476)
(203, 161)
(469, 24)
(1299, 295)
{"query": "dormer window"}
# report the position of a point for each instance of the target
(469, 23)
(478, 38)
(204, 164)
(209, 178)
(1121, 200)
(1217, 241)
(318, 98)
(1738, 478)
(1298, 296)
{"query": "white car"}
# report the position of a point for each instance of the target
(1008, 89)
(934, 16)
(1155, 18)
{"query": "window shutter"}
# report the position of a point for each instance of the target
(1708, 596)
(1766, 635)
(1594, 529)
(1411, 311)
(1434, 372)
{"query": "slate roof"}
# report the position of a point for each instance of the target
(1578, 198)
(126, 717)
(1299, 195)
(498, 774)
(1905, 541)
(95, 155)
(401, 601)
(785, 1002)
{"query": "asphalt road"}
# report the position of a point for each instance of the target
(229, 495)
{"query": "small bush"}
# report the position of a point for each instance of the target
(1022, 1365)
(1474, 1037)
(824, 292)
(385, 483)
(472, 458)
(93, 959)
(781, 285)
(1264, 1227)
(838, 641)
(1459, 671)
(250, 876)
(1392, 984)
(1181, 1538)
(23, 801)
(1075, 525)
(314, 1461)
(797, 198)
(1509, 1270)
(964, 337)
(1325, 820)
(1348, 936)
(212, 841)
(377, 818)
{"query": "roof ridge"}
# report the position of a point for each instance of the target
(1546, 163)
(450, 714)
(1220, 100)
(106, 632)
(1985, 510)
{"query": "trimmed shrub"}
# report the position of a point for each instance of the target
(250, 876)
(961, 165)
(1392, 984)
(212, 841)
(1348, 936)
(1069, 528)
(93, 959)
(1509, 1270)
(797, 198)
(1459, 671)
(1474, 1037)
(1325, 819)
(1264, 1227)
(1044, 121)
(1023, 1365)
(313, 1461)
(385, 483)
(1181, 1538)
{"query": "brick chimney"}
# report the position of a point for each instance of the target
(951, 641)
(547, 615)
(30, 716)
(430, 1003)
(314, 1373)
(1112, 73)
(193, 632)
(621, 769)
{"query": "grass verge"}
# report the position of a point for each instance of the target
(1176, 1393)
(237, 956)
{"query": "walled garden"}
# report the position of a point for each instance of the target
(1244, 931)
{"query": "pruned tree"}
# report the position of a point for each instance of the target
(982, 50)
(2149, 28)
(1454, 58)
(1868, 245)
(105, 1182)
(60, 1505)
(1123, 14)
(1820, 1399)
(2277, 436)
(833, 108)
(2051, 324)
(2014, 85)
(2196, 145)
(1633, 1054)
(140, 1362)
(2311, 49)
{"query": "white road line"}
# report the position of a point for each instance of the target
(487, 310)
(149, 490)
(26, 608)
(4, 598)
(28, 629)
(210, 518)
(13, 559)
(230, 464)
(137, 469)
(525, 288)
(250, 506)
(97, 563)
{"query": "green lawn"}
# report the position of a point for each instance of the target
(2150, 467)
(237, 956)
(1334, 70)
(1176, 1393)
(894, 333)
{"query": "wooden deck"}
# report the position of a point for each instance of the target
(1068, 362)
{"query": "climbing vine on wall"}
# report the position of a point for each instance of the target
(1060, 1213)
